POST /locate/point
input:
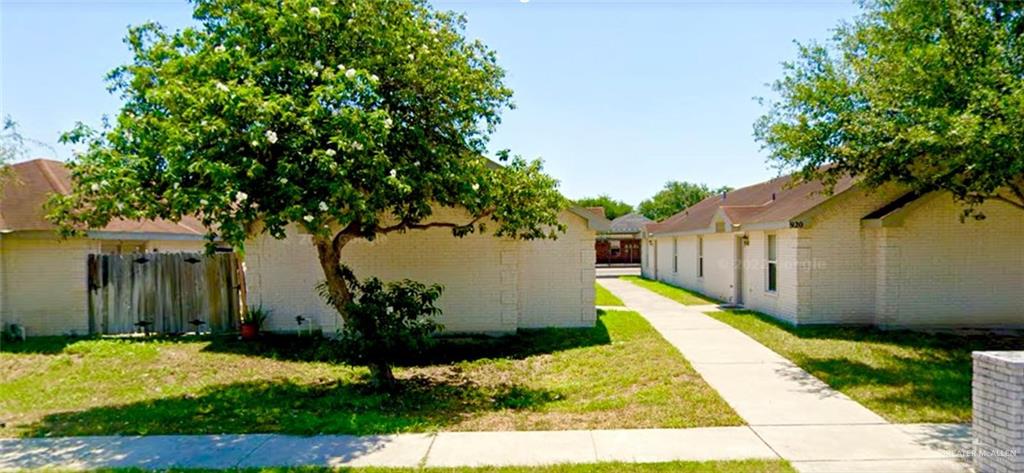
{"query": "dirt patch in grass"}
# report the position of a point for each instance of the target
(619, 374)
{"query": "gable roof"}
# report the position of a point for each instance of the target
(629, 223)
(595, 221)
(776, 200)
(29, 184)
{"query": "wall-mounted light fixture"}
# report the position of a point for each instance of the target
(746, 240)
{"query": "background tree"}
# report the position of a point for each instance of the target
(12, 146)
(675, 197)
(929, 94)
(612, 208)
(350, 119)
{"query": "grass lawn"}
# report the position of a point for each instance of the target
(736, 466)
(903, 376)
(619, 374)
(678, 294)
(605, 297)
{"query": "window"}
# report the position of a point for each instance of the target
(773, 272)
(675, 255)
(700, 257)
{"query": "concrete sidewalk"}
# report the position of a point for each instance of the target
(445, 449)
(797, 415)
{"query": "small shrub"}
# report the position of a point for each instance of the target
(388, 322)
(257, 316)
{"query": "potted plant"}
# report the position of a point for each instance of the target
(252, 321)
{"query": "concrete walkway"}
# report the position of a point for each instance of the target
(445, 449)
(797, 415)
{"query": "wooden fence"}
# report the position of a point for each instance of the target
(168, 290)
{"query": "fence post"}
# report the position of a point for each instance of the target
(998, 426)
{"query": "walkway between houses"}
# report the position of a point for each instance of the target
(797, 415)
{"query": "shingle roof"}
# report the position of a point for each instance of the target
(29, 184)
(629, 223)
(775, 200)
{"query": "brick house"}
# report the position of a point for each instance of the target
(885, 257)
(43, 278)
(620, 244)
(491, 284)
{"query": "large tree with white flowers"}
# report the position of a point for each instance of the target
(349, 119)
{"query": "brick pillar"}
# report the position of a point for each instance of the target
(998, 394)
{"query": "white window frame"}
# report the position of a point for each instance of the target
(700, 257)
(772, 262)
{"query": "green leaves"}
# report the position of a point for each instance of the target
(926, 94)
(612, 208)
(675, 197)
(329, 115)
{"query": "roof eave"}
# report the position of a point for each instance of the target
(776, 225)
(594, 221)
(107, 235)
(39, 234)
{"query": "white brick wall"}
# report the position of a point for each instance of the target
(930, 270)
(998, 420)
(491, 284)
(944, 272)
(841, 282)
(783, 302)
(556, 278)
(720, 269)
(43, 280)
(44, 285)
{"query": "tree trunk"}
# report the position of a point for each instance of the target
(382, 377)
(329, 252)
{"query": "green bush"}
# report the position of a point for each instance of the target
(388, 322)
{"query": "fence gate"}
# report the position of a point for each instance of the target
(168, 290)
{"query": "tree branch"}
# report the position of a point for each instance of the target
(407, 225)
(1002, 198)
(1016, 203)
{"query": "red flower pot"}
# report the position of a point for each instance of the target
(250, 331)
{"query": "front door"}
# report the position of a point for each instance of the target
(738, 263)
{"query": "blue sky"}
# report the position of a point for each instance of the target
(616, 96)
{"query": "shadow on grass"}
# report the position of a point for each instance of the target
(447, 349)
(40, 345)
(440, 394)
(325, 406)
